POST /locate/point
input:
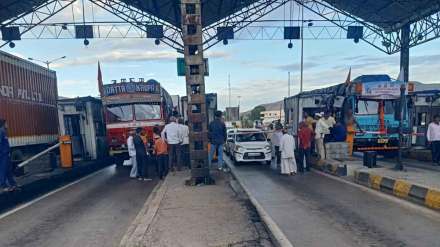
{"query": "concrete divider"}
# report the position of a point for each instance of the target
(334, 167)
(429, 197)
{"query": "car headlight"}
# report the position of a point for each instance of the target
(268, 148)
(239, 149)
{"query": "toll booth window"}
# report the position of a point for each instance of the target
(147, 111)
(120, 113)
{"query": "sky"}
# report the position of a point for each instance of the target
(258, 69)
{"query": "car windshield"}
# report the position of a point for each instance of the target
(119, 113)
(147, 111)
(250, 137)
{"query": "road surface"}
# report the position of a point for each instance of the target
(315, 210)
(93, 212)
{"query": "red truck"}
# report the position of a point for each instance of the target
(132, 104)
(28, 101)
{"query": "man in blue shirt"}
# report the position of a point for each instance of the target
(7, 181)
(338, 132)
(217, 137)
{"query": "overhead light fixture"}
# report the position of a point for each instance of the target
(11, 44)
(290, 45)
(86, 42)
(225, 42)
(157, 42)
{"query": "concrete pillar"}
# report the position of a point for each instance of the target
(404, 50)
(195, 89)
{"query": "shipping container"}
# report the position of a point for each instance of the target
(28, 102)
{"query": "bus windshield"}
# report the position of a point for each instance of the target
(371, 107)
(119, 113)
(147, 111)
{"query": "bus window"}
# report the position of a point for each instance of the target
(147, 111)
(369, 107)
(119, 113)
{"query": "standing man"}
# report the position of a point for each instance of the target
(161, 153)
(141, 155)
(217, 137)
(132, 154)
(433, 136)
(305, 136)
(184, 146)
(276, 142)
(7, 181)
(173, 137)
(287, 147)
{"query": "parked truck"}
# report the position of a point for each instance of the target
(28, 102)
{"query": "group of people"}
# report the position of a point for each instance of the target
(169, 150)
(313, 133)
(7, 181)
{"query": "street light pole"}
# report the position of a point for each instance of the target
(47, 62)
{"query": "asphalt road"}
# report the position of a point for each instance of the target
(314, 210)
(94, 212)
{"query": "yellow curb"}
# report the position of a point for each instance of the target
(432, 199)
(401, 188)
(375, 181)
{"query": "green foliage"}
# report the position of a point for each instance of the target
(256, 113)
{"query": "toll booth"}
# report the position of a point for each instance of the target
(82, 119)
(426, 104)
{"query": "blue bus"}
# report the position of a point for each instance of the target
(374, 101)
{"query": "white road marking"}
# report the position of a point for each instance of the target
(18, 208)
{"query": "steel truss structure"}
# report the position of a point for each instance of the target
(133, 25)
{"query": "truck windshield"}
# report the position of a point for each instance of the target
(250, 137)
(370, 107)
(119, 113)
(147, 111)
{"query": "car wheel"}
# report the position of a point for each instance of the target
(268, 162)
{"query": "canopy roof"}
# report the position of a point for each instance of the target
(387, 14)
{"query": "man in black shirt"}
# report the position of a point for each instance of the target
(141, 155)
(217, 137)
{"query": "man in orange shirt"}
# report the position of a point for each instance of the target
(161, 152)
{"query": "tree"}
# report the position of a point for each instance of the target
(256, 113)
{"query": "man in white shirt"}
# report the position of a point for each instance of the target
(433, 136)
(276, 142)
(287, 147)
(184, 146)
(172, 135)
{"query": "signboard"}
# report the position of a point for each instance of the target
(151, 87)
(381, 89)
(181, 66)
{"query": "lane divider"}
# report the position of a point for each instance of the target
(429, 197)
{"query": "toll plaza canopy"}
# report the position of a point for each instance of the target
(386, 14)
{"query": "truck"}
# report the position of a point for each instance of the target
(132, 104)
(375, 103)
(28, 102)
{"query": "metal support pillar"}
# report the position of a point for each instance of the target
(192, 36)
(404, 65)
(404, 51)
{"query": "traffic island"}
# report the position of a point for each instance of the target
(36, 184)
(416, 185)
(180, 215)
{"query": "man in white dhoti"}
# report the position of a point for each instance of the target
(287, 148)
(132, 154)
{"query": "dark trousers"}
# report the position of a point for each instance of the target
(278, 155)
(435, 145)
(142, 168)
(184, 151)
(174, 157)
(6, 173)
(162, 165)
(304, 153)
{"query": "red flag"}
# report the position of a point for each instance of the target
(348, 80)
(100, 84)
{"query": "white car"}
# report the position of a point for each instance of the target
(249, 145)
